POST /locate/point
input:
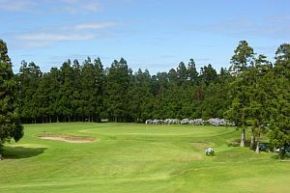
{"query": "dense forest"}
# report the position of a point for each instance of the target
(252, 93)
(88, 92)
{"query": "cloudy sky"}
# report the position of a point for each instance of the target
(152, 34)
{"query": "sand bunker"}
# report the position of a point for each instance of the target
(68, 138)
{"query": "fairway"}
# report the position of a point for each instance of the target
(125, 158)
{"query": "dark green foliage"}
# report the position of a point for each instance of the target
(29, 78)
(239, 93)
(117, 91)
(10, 127)
(208, 75)
(242, 57)
(280, 103)
(92, 90)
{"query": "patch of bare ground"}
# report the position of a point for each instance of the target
(67, 138)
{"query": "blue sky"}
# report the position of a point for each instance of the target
(152, 34)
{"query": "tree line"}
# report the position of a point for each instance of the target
(253, 93)
(88, 92)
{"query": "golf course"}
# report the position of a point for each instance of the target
(124, 158)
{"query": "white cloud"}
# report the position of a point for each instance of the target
(276, 27)
(92, 6)
(76, 6)
(70, 6)
(76, 32)
(94, 25)
(45, 39)
(16, 5)
(70, 1)
(53, 37)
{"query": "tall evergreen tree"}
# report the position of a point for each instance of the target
(29, 78)
(141, 96)
(242, 58)
(77, 91)
(10, 127)
(257, 111)
(118, 82)
(240, 61)
(92, 83)
(280, 103)
(66, 91)
(192, 72)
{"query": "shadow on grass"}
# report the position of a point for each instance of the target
(20, 152)
(286, 157)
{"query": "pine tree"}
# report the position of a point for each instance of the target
(66, 91)
(117, 99)
(242, 58)
(280, 103)
(239, 94)
(29, 78)
(10, 127)
(257, 111)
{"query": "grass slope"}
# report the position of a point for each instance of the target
(137, 158)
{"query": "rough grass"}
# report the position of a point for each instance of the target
(137, 158)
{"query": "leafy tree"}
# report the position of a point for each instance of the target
(208, 74)
(239, 93)
(141, 96)
(66, 91)
(283, 53)
(54, 94)
(29, 78)
(99, 88)
(172, 76)
(117, 99)
(77, 90)
(257, 111)
(215, 102)
(182, 73)
(242, 58)
(88, 88)
(10, 126)
(192, 72)
(92, 82)
(280, 103)
(42, 99)
(280, 119)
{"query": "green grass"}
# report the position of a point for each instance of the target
(138, 158)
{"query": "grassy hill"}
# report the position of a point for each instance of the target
(139, 158)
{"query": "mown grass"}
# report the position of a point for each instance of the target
(138, 158)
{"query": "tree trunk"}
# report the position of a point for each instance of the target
(258, 147)
(243, 138)
(258, 141)
(253, 140)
